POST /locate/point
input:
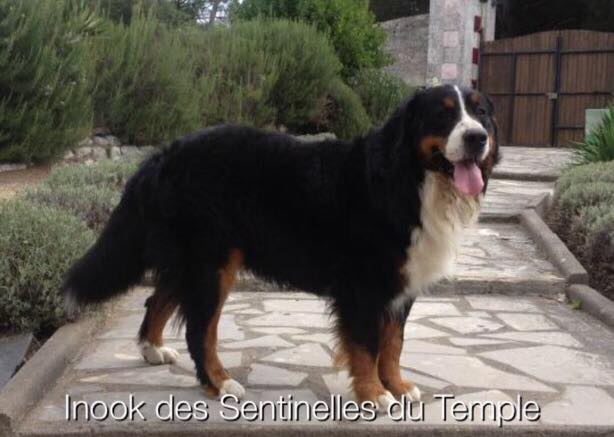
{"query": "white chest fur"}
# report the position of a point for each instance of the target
(445, 214)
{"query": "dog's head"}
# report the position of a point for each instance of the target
(452, 131)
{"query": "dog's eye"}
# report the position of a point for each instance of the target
(480, 111)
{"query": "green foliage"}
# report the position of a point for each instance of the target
(584, 215)
(92, 204)
(349, 24)
(174, 13)
(380, 92)
(37, 246)
(263, 73)
(598, 144)
(107, 174)
(145, 82)
(347, 117)
(45, 73)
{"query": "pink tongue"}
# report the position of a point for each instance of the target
(468, 178)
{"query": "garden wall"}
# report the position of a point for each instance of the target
(408, 45)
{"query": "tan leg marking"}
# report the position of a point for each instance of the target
(362, 367)
(391, 341)
(159, 310)
(213, 366)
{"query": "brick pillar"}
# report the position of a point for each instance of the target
(454, 38)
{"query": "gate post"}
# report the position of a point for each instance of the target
(455, 30)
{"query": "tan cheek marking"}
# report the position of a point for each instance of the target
(430, 144)
(213, 366)
(389, 359)
(474, 97)
(449, 103)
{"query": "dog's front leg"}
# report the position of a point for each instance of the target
(389, 356)
(358, 350)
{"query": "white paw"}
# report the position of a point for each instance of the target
(413, 395)
(385, 401)
(158, 355)
(232, 387)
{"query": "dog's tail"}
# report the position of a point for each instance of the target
(116, 261)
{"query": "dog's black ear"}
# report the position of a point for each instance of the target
(491, 105)
(395, 131)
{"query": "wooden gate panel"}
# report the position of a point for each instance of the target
(543, 83)
(531, 114)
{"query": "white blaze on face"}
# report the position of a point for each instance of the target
(455, 148)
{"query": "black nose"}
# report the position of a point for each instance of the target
(475, 142)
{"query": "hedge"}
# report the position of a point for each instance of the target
(583, 215)
(45, 77)
(37, 246)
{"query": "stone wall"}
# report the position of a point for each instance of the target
(454, 39)
(408, 45)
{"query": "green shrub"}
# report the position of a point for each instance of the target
(106, 174)
(583, 215)
(45, 74)
(347, 117)
(264, 73)
(349, 24)
(92, 204)
(380, 92)
(145, 81)
(37, 246)
(598, 144)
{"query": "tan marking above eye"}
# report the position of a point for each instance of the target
(449, 103)
(474, 97)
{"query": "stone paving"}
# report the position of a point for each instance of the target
(532, 163)
(474, 347)
(505, 199)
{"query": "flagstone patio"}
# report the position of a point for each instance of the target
(487, 348)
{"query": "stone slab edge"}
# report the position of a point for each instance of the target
(593, 302)
(555, 249)
(519, 176)
(42, 370)
(321, 429)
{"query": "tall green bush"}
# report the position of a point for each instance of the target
(37, 246)
(346, 116)
(350, 25)
(145, 81)
(264, 73)
(380, 92)
(45, 73)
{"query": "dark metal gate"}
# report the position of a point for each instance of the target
(542, 84)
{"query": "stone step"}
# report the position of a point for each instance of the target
(499, 258)
(532, 163)
(506, 199)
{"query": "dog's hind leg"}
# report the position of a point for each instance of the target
(391, 345)
(202, 309)
(160, 307)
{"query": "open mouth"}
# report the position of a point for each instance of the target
(468, 177)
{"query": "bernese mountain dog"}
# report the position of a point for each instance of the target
(367, 224)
